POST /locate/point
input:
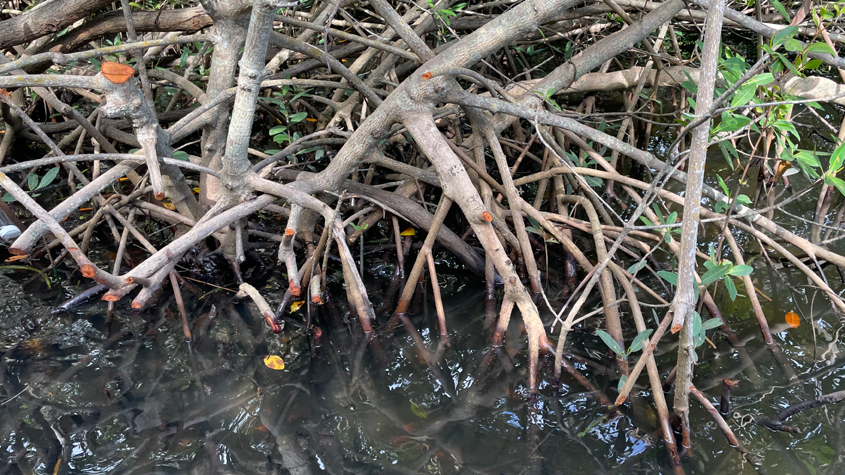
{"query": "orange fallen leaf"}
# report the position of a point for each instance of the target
(116, 72)
(17, 258)
(167, 204)
(409, 232)
(274, 362)
(793, 319)
(85, 209)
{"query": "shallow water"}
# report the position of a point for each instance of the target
(83, 393)
(86, 394)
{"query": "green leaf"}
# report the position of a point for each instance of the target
(622, 381)
(636, 267)
(744, 95)
(743, 199)
(731, 287)
(837, 158)
(690, 85)
(670, 277)
(809, 158)
(732, 122)
(697, 330)
(48, 177)
(711, 324)
(792, 45)
(610, 342)
(714, 274)
(8, 198)
(183, 60)
(838, 183)
(820, 48)
(723, 185)
(594, 181)
(32, 181)
(672, 218)
(783, 125)
(760, 80)
(181, 155)
(787, 63)
(639, 340)
(298, 117)
(278, 129)
(741, 270)
(281, 138)
(785, 15)
(813, 64)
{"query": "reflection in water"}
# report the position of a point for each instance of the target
(82, 394)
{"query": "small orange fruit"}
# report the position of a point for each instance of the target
(793, 319)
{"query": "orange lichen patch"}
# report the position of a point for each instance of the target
(111, 298)
(160, 196)
(427, 75)
(88, 271)
(17, 251)
(793, 320)
(136, 305)
(676, 328)
(6, 93)
(289, 232)
(317, 299)
(486, 216)
(116, 72)
(294, 289)
(73, 249)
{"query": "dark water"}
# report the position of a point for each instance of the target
(83, 394)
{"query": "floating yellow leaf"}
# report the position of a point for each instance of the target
(274, 362)
(196, 190)
(409, 232)
(418, 411)
(167, 204)
(295, 306)
(793, 319)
